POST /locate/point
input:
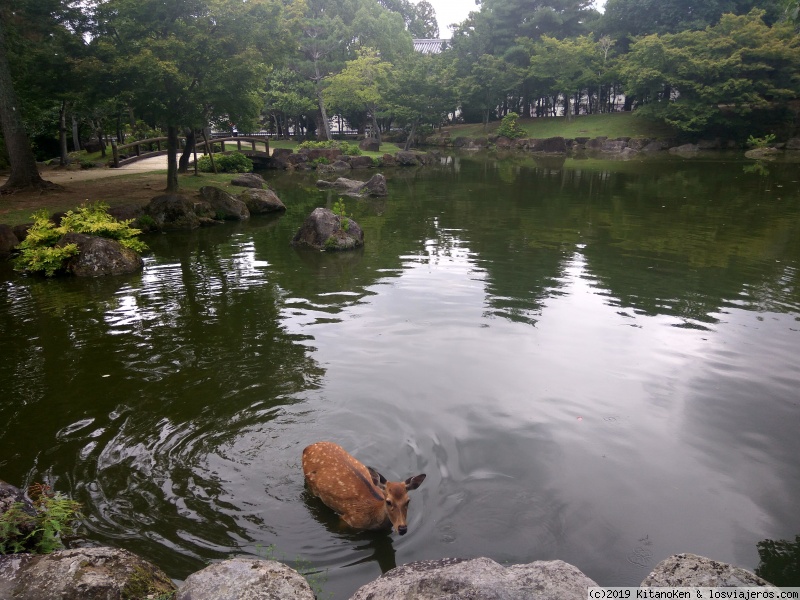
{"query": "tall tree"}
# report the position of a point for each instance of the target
(422, 91)
(699, 80)
(623, 18)
(190, 62)
(566, 67)
(362, 84)
(34, 36)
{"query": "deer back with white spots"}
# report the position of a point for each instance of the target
(361, 495)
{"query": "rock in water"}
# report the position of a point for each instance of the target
(325, 230)
(99, 256)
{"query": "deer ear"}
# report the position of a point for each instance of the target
(413, 483)
(378, 479)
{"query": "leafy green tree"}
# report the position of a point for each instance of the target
(489, 83)
(699, 80)
(623, 18)
(362, 84)
(419, 19)
(288, 96)
(422, 91)
(565, 67)
(190, 62)
(331, 32)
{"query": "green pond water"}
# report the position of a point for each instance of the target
(593, 361)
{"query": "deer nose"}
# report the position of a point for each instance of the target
(402, 529)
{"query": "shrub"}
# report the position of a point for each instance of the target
(38, 251)
(54, 517)
(764, 142)
(347, 148)
(510, 128)
(340, 211)
(236, 162)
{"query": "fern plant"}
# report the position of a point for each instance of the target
(39, 253)
(41, 531)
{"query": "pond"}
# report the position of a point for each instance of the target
(592, 361)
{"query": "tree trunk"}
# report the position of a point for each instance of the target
(172, 158)
(376, 130)
(63, 158)
(76, 134)
(183, 164)
(410, 139)
(24, 173)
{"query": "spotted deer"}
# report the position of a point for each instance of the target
(361, 495)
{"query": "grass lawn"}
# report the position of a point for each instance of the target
(612, 125)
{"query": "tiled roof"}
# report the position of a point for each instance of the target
(429, 46)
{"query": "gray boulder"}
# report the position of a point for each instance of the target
(8, 240)
(341, 165)
(246, 579)
(261, 202)
(376, 186)
(174, 211)
(405, 158)
(370, 145)
(325, 230)
(478, 579)
(85, 573)
(553, 145)
(99, 256)
(614, 146)
(249, 180)
(793, 143)
(691, 570)
(596, 143)
(224, 205)
(360, 162)
(762, 153)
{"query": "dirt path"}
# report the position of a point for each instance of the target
(82, 185)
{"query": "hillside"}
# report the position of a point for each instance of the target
(612, 125)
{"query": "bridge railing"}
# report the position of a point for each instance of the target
(144, 148)
(140, 149)
(258, 145)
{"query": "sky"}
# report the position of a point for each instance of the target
(455, 11)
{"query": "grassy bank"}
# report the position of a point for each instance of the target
(612, 125)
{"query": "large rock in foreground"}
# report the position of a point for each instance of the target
(691, 570)
(324, 230)
(99, 256)
(478, 579)
(351, 187)
(245, 579)
(85, 573)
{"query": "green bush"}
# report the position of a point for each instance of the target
(347, 148)
(510, 128)
(54, 517)
(339, 210)
(235, 162)
(38, 251)
(764, 142)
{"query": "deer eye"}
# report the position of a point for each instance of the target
(388, 503)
